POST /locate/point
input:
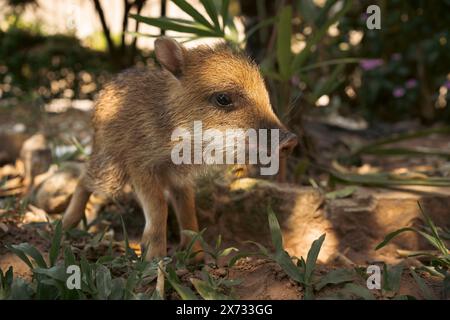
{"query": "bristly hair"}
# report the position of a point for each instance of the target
(225, 48)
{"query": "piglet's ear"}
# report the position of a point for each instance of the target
(169, 54)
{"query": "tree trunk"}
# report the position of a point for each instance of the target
(106, 32)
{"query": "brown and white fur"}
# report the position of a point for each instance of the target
(135, 115)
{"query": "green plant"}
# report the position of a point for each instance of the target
(440, 261)
(301, 272)
(99, 279)
(285, 65)
(218, 24)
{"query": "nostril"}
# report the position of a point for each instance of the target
(288, 144)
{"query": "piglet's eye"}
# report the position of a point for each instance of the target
(222, 100)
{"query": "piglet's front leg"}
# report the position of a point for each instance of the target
(154, 205)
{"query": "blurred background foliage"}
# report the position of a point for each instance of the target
(318, 56)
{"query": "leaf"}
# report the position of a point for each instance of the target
(20, 290)
(402, 137)
(190, 10)
(130, 254)
(103, 282)
(434, 239)
(426, 291)
(206, 291)
(171, 24)
(281, 256)
(392, 277)
(337, 276)
(55, 272)
(211, 9)
(188, 254)
(331, 62)
(27, 249)
(184, 292)
(382, 179)
(6, 282)
(8, 278)
(224, 13)
(130, 285)
(446, 285)
(440, 245)
(239, 256)
(117, 289)
(392, 235)
(21, 255)
(311, 258)
(227, 251)
(86, 271)
(284, 34)
(341, 193)
(262, 250)
(275, 231)
(359, 291)
(69, 257)
(56, 244)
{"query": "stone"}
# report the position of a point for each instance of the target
(54, 193)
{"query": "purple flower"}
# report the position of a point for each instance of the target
(370, 64)
(398, 92)
(447, 84)
(411, 83)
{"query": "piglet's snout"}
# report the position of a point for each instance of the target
(288, 141)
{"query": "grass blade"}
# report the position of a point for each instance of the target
(281, 256)
(392, 235)
(21, 255)
(207, 292)
(128, 251)
(341, 193)
(358, 291)
(224, 13)
(27, 249)
(392, 277)
(383, 180)
(440, 245)
(311, 258)
(103, 282)
(170, 24)
(284, 34)
(335, 277)
(190, 10)
(56, 244)
(184, 292)
(426, 291)
(211, 9)
(275, 231)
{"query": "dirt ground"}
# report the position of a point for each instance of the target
(237, 210)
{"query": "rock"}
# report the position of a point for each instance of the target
(36, 156)
(3, 228)
(54, 193)
(11, 143)
(35, 215)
